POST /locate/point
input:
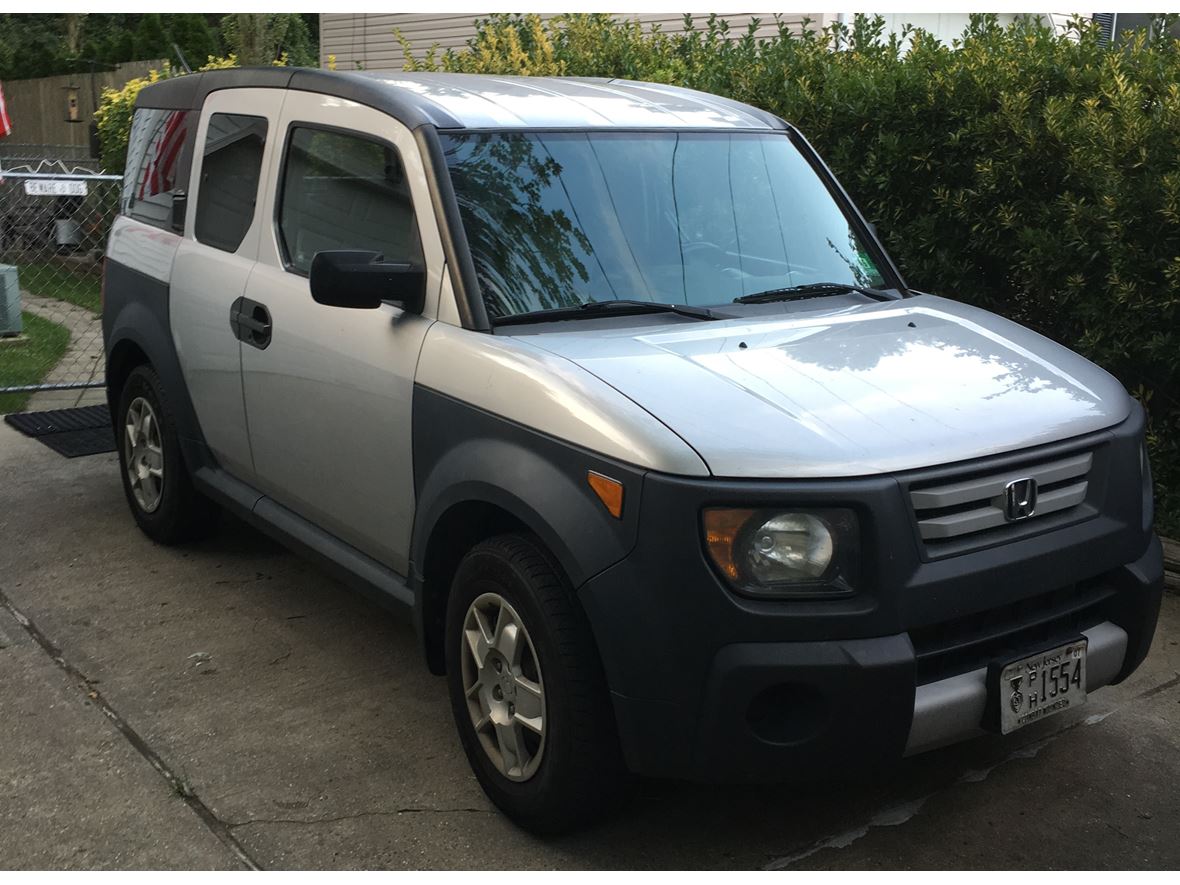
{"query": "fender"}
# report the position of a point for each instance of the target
(463, 454)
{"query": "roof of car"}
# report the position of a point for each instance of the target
(483, 101)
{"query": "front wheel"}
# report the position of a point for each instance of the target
(527, 689)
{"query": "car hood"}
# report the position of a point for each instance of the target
(851, 390)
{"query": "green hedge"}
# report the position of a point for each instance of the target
(1033, 174)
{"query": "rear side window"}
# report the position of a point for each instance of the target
(343, 191)
(229, 179)
(153, 174)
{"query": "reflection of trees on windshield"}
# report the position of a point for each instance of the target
(558, 218)
(861, 266)
(523, 252)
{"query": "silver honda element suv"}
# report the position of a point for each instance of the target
(610, 389)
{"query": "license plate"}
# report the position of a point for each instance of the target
(1041, 685)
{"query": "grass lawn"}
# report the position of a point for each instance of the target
(51, 280)
(28, 359)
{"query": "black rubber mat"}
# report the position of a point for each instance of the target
(70, 432)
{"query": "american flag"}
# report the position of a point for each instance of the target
(160, 175)
(5, 122)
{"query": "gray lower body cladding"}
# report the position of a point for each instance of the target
(135, 313)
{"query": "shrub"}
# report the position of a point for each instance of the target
(1031, 173)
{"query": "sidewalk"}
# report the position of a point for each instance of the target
(82, 361)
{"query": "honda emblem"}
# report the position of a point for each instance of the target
(1020, 499)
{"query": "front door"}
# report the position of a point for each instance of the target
(329, 392)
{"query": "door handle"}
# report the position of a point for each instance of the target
(250, 322)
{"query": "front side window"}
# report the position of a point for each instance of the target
(152, 176)
(230, 172)
(343, 191)
(701, 218)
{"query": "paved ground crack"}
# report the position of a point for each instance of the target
(178, 784)
(1163, 686)
(396, 812)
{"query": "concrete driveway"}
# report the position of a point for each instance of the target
(226, 705)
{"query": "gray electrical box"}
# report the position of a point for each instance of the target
(10, 301)
(10, 323)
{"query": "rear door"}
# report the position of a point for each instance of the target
(329, 393)
(234, 143)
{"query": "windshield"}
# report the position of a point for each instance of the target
(559, 219)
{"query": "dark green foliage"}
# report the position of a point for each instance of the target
(198, 42)
(301, 47)
(151, 40)
(39, 44)
(1033, 174)
(262, 38)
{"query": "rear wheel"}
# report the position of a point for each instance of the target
(527, 689)
(155, 479)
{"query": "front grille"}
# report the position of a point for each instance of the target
(966, 511)
(971, 642)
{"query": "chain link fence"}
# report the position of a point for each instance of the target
(55, 212)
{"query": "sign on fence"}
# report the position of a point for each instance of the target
(43, 188)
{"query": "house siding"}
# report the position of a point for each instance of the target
(366, 40)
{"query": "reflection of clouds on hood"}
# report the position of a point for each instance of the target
(929, 378)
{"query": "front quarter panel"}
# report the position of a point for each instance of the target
(551, 395)
(500, 422)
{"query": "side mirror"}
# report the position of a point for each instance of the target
(363, 280)
(872, 229)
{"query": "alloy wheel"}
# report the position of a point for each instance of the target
(144, 454)
(503, 686)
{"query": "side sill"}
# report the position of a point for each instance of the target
(361, 572)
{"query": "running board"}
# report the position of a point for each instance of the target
(343, 561)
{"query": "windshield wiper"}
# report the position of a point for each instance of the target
(622, 306)
(811, 290)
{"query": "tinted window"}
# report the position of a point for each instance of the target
(229, 179)
(344, 192)
(153, 173)
(557, 219)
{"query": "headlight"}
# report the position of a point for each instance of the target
(784, 553)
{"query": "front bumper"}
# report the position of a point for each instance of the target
(953, 709)
(713, 687)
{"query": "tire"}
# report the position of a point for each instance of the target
(165, 505)
(574, 771)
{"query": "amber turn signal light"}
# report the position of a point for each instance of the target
(721, 530)
(609, 492)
